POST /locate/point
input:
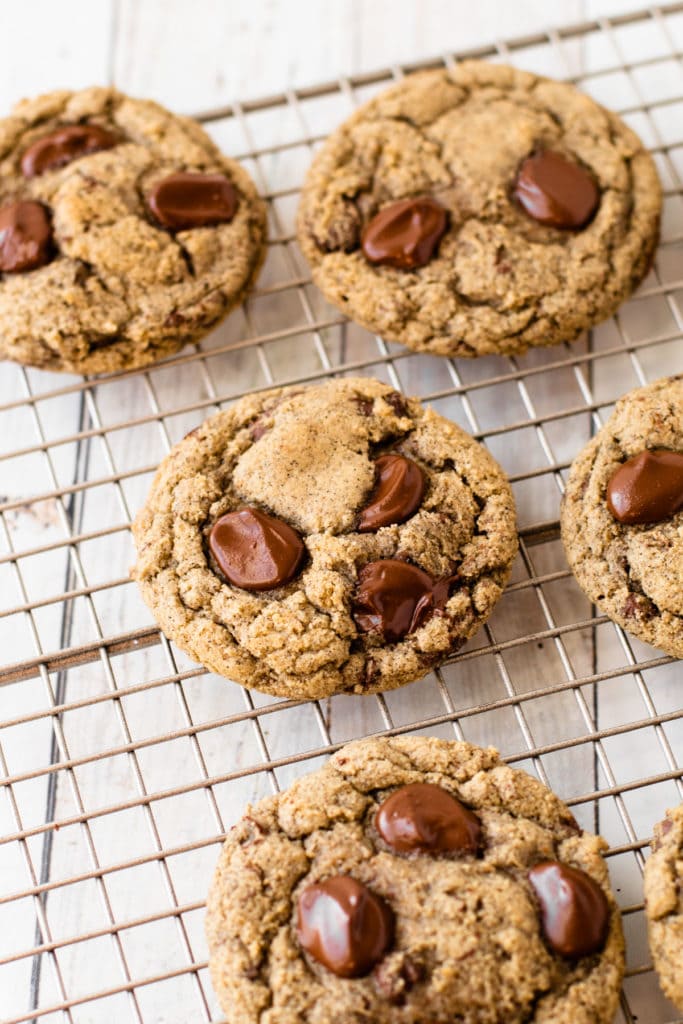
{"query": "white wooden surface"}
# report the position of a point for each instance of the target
(194, 55)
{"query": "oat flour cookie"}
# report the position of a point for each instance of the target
(335, 538)
(414, 881)
(664, 903)
(622, 515)
(124, 232)
(480, 209)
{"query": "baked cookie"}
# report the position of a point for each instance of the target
(622, 515)
(480, 209)
(664, 903)
(124, 232)
(336, 538)
(414, 881)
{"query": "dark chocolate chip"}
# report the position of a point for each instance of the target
(648, 488)
(395, 598)
(396, 976)
(344, 926)
(25, 236)
(189, 200)
(424, 818)
(574, 910)
(639, 606)
(365, 405)
(397, 403)
(256, 551)
(63, 145)
(556, 191)
(397, 495)
(405, 234)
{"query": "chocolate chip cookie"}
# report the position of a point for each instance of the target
(334, 538)
(480, 209)
(414, 881)
(664, 903)
(622, 515)
(124, 232)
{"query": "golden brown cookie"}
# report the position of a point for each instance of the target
(336, 538)
(664, 903)
(414, 880)
(124, 232)
(480, 209)
(622, 515)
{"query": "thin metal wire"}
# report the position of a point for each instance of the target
(265, 755)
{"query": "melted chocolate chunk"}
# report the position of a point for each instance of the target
(397, 494)
(397, 403)
(256, 551)
(189, 200)
(405, 234)
(395, 598)
(61, 146)
(556, 191)
(25, 236)
(648, 488)
(344, 926)
(574, 910)
(423, 818)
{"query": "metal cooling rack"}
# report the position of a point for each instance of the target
(122, 763)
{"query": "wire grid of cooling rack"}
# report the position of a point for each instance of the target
(122, 763)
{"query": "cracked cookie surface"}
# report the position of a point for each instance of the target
(120, 290)
(634, 573)
(500, 281)
(307, 456)
(663, 882)
(468, 944)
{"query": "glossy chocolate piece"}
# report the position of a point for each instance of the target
(648, 488)
(61, 146)
(25, 236)
(344, 926)
(395, 598)
(256, 551)
(423, 818)
(556, 191)
(397, 495)
(574, 910)
(405, 234)
(188, 200)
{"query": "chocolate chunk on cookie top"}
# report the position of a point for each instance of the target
(663, 883)
(647, 488)
(622, 515)
(184, 200)
(61, 146)
(256, 551)
(425, 818)
(124, 232)
(344, 926)
(574, 909)
(480, 209)
(556, 191)
(25, 236)
(414, 881)
(330, 539)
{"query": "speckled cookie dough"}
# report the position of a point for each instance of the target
(499, 279)
(378, 588)
(664, 903)
(632, 571)
(470, 940)
(113, 287)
